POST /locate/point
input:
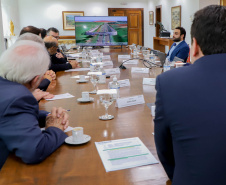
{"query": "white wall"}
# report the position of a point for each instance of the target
(188, 8)
(203, 3)
(10, 12)
(1, 32)
(48, 13)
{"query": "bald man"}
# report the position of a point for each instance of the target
(51, 44)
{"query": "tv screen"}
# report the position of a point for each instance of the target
(101, 31)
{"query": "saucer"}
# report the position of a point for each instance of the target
(82, 81)
(69, 140)
(85, 100)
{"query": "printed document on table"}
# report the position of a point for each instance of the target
(77, 69)
(124, 153)
(62, 96)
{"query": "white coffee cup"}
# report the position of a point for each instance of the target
(82, 77)
(77, 134)
(85, 95)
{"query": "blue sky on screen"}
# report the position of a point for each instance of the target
(99, 18)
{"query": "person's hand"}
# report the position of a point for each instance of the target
(74, 64)
(48, 96)
(51, 73)
(39, 94)
(57, 118)
(48, 76)
(59, 55)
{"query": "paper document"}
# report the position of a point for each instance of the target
(61, 96)
(79, 76)
(78, 69)
(106, 57)
(130, 62)
(130, 101)
(124, 153)
(123, 56)
(75, 55)
(107, 91)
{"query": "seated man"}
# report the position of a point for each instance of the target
(190, 107)
(32, 33)
(19, 112)
(179, 48)
(51, 44)
(55, 33)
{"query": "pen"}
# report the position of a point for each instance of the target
(50, 113)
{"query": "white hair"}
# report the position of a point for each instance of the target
(23, 61)
(31, 36)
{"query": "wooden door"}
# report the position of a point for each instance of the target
(158, 18)
(223, 2)
(135, 23)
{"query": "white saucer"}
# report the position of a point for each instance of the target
(84, 100)
(82, 81)
(69, 140)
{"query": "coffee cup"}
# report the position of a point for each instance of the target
(82, 77)
(85, 95)
(77, 134)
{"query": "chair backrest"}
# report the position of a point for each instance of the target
(162, 57)
(154, 51)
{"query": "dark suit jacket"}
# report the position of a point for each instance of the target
(181, 51)
(44, 84)
(59, 64)
(190, 122)
(19, 126)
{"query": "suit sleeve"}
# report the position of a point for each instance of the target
(44, 84)
(183, 53)
(60, 67)
(163, 139)
(21, 133)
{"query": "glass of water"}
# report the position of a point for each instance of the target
(94, 80)
(106, 100)
(146, 54)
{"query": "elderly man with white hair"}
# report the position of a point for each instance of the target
(22, 67)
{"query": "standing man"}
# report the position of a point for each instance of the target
(20, 118)
(191, 107)
(179, 48)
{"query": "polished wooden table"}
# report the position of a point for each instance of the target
(81, 164)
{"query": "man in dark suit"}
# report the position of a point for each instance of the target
(19, 112)
(179, 48)
(51, 44)
(191, 107)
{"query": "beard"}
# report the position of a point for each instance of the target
(176, 39)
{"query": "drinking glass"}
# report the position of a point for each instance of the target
(106, 100)
(131, 48)
(94, 79)
(139, 48)
(146, 54)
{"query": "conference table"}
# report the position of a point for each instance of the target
(81, 164)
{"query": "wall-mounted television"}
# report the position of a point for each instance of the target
(101, 30)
